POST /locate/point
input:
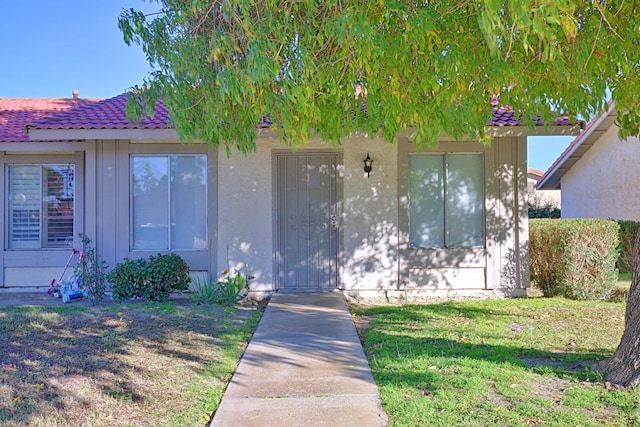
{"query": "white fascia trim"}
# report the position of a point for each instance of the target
(557, 130)
(38, 146)
(84, 134)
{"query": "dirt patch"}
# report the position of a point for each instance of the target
(363, 323)
(42, 299)
(557, 365)
(550, 388)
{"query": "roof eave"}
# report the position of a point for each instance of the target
(84, 134)
(552, 177)
(41, 134)
(42, 146)
(554, 130)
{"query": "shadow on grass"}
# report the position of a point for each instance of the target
(420, 332)
(70, 363)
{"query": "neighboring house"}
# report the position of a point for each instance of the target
(445, 222)
(541, 198)
(598, 173)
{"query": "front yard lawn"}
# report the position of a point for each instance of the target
(131, 364)
(516, 362)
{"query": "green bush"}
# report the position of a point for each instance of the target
(627, 236)
(574, 258)
(153, 278)
(544, 212)
(126, 279)
(165, 274)
(229, 289)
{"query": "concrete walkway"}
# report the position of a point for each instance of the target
(304, 366)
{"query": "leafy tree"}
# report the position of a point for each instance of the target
(426, 66)
(384, 67)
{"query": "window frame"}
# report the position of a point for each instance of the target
(167, 156)
(445, 156)
(16, 160)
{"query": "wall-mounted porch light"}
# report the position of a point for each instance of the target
(367, 164)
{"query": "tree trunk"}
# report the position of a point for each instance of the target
(623, 368)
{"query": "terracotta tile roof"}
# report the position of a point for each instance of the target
(111, 114)
(105, 114)
(505, 116)
(534, 171)
(17, 113)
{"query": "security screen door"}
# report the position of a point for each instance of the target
(307, 221)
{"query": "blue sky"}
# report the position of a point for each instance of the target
(52, 47)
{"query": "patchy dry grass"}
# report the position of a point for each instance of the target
(511, 362)
(133, 364)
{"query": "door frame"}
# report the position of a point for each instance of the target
(339, 177)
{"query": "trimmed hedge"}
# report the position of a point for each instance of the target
(544, 212)
(574, 258)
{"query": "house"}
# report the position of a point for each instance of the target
(598, 173)
(541, 198)
(442, 223)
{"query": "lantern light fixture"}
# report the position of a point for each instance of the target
(367, 165)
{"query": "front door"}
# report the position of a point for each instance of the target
(307, 221)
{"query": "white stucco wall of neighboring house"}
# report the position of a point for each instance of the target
(604, 181)
(543, 198)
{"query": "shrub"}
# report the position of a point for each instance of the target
(165, 274)
(618, 294)
(541, 208)
(627, 236)
(574, 258)
(545, 253)
(204, 292)
(544, 212)
(126, 279)
(227, 290)
(153, 278)
(92, 271)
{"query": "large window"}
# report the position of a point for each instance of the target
(40, 206)
(169, 202)
(446, 200)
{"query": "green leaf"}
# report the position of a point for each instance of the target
(219, 69)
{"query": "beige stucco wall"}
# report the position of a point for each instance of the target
(245, 214)
(371, 223)
(375, 260)
(368, 223)
(370, 217)
(22, 277)
(604, 182)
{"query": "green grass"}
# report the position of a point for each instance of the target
(624, 279)
(499, 362)
(129, 364)
(621, 290)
